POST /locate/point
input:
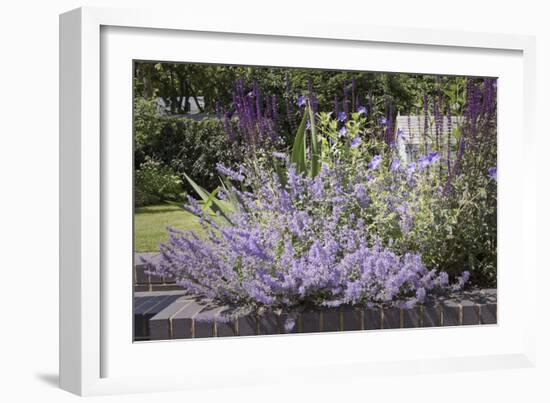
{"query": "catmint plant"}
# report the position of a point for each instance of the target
(298, 243)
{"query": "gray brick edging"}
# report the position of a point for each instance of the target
(175, 315)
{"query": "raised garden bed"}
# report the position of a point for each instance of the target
(163, 315)
(164, 311)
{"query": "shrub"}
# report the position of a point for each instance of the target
(186, 145)
(444, 204)
(294, 244)
(155, 183)
(147, 125)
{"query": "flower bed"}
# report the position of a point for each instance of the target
(340, 225)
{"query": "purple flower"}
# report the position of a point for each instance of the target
(289, 323)
(375, 162)
(461, 281)
(423, 161)
(400, 133)
(493, 173)
(343, 131)
(279, 155)
(383, 121)
(443, 279)
(411, 168)
(361, 195)
(362, 110)
(426, 160)
(308, 125)
(236, 176)
(395, 165)
(301, 100)
(342, 116)
(355, 142)
(421, 294)
(433, 157)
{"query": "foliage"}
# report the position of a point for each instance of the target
(155, 183)
(147, 125)
(186, 145)
(296, 246)
(176, 82)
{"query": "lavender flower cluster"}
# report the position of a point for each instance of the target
(295, 243)
(256, 114)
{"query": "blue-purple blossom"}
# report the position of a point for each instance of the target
(308, 124)
(433, 157)
(375, 162)
(302, 100)
(493, 173)
(355, 142)
(395, 164)
(361, 195)
(423, 161)
(405, 218)
(426, 160)
(411, 168)
(421, 294)
(257, 116)
(343, 131)
(279, 155)
(342, 116)
(443, 279)
(362, 110)
(400, 133)
(236, 176)
(383, 121)
(461, 281)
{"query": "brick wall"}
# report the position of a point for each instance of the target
(147, 282)
(162, 315)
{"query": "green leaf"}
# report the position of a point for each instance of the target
(211, 198)
(316, 150)
(298, 154)
(457, 133)
(281, 173)
(234, 197)
(205, 196)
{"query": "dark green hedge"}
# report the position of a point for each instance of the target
(185, 145)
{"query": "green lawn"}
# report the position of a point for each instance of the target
(150, 225)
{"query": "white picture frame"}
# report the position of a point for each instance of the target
(97, 357)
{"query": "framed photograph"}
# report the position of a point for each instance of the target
(239, 200)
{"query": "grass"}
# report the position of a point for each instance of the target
(150, 225)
